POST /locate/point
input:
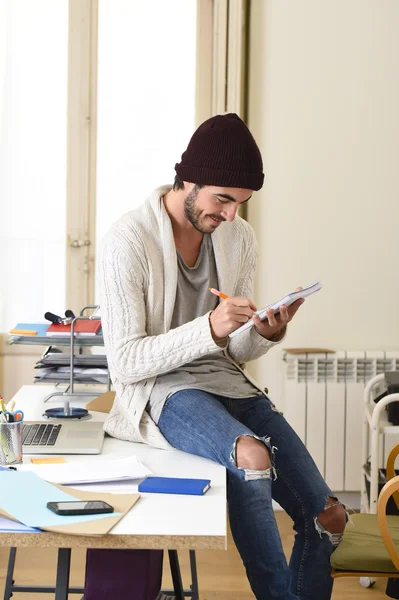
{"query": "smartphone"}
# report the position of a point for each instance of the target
(80, 507)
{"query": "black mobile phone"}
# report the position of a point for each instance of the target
(80, 507)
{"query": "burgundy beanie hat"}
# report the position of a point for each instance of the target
(222, 152)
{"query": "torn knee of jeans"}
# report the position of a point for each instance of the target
(252, 474)
(334, 537)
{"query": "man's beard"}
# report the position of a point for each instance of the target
(193, 214)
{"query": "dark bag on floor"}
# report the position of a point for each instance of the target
(392, 589)
(123, 574)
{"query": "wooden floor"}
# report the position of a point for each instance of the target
(221, 574)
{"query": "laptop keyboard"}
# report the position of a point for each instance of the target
(37, 434)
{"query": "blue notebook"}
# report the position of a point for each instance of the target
(175, 485)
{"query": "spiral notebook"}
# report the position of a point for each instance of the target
(287, 300)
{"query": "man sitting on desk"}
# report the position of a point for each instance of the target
(179, 378)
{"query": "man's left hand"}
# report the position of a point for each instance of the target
(273, 328)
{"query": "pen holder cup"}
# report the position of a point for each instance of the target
(11, 443)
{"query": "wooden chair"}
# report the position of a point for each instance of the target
(368, 545)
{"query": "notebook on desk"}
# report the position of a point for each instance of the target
(62, 437)
(82, 328)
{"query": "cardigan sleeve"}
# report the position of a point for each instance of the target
(132, 354)
(248, 345)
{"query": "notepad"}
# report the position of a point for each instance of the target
(83, 328)
(287, 300)
(175, 485)
(48, 460)
(23, 332)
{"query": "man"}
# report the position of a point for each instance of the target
(179, 378)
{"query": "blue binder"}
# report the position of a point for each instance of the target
(175, 485)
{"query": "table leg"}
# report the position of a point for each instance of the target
(176, 576)
(63, 569)
(194, 576)
(10, 574)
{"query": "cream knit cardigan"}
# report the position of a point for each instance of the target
(138, 279)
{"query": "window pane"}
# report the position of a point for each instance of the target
(146, 99)
(33, 113)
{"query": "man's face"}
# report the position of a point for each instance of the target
(208, 207)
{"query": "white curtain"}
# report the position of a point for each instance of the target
(33, 117)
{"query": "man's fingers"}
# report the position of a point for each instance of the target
(284, 313)
(237, 306)
(256, 319)
(240, 301)
(241, 309)
(241, 319)
(283, 316)
(294, 307)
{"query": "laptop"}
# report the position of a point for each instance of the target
(62, 437)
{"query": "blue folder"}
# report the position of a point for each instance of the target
(175, 485)
(24, 496)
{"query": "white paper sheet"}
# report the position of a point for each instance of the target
(126, 486)
(90, 471)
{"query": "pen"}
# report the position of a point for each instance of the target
(10, 406)
(2, 407)
(217, 293)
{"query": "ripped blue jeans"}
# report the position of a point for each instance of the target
(208, 425)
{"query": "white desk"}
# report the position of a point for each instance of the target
(156, 521)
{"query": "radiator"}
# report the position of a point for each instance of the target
(324, 404)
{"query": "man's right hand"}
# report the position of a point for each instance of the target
(228, 316)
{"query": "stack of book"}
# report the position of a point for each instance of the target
(82, 329)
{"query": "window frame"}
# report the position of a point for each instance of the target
(81, 152)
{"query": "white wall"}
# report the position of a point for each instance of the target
(324, 108)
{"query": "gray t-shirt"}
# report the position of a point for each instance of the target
(193, 300)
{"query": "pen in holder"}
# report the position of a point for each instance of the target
(11, 443)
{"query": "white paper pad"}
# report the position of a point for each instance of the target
(287, 300)
(91, 471)
(126, 486)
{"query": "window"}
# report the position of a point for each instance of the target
(146, 99)
(33, 121)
